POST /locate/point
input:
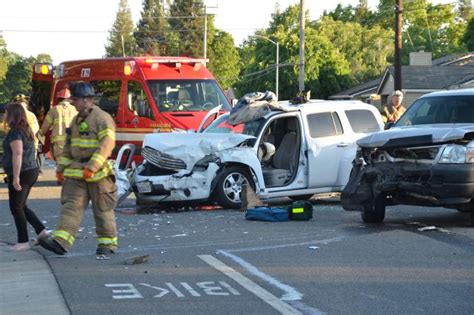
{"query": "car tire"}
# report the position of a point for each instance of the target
(228, 189)
(300, 197)
(375, 211)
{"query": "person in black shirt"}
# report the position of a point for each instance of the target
(19, 163)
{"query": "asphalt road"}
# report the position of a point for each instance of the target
(216, 262)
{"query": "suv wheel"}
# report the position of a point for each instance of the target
(375, 211)
(229, 186)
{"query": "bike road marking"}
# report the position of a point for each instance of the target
(251, 286)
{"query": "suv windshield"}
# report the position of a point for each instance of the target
(187, 95)
(220, 125)
(457, 109)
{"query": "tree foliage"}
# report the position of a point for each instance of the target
(224, 59)
(468, 37)
(121, 41)
(187, 21)
(153, 34)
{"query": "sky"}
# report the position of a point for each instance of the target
(70, 30)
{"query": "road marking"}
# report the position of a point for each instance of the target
(129, 293)
(291, 294)
(248, 284)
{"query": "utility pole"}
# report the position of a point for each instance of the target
(301, 75)
(277, 61)
(205, 29)
(398, 45)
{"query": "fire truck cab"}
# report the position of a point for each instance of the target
(143, 94)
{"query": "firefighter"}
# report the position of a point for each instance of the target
(30, 116)
(57, 120)
(87, 175)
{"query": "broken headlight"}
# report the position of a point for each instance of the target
(455, 153)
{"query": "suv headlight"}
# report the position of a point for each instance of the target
(455, 153)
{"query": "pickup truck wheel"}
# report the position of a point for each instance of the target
(229, 186)
(375, 211)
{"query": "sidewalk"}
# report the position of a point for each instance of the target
(27, 285)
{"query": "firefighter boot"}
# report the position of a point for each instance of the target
(52, 245)
(102, 250)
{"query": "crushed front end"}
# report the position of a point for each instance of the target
(403, 171)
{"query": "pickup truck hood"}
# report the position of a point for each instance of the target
(416, 135)
(191, 147)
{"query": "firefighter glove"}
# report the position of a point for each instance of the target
(87, 173)
(60, 177)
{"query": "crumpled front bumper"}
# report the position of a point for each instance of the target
(409, 183)
(182, 186)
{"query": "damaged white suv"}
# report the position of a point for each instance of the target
(426, 158)
(306, 149)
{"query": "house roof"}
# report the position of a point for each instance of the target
(368, 87)
(429, 77)
(374, 86)
(455, 60)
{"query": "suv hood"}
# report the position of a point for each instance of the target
(191, 147)
(416, 135)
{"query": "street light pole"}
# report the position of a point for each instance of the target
(277, 64)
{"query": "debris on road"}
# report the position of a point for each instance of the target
(137, 260)
(314, 247)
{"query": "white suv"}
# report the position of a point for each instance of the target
(313, 145)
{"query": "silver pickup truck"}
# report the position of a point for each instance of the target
(425, 159)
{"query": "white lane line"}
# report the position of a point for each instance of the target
(251, 286)
(291, 294)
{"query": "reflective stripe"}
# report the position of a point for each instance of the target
(98, 158)
(65, 235)
(107, 240)
(58, 138)
(106, 132)
(64, 161)
(84, 143)
(102, 173)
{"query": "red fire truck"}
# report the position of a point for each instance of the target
(142, 94)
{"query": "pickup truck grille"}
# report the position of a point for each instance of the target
(162, 160)
(425, 154)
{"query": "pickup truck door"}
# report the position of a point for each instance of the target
(327, 146)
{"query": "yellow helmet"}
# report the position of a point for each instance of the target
(22, 98)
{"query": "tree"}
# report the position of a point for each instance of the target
(187, 21)
(468, 37)
(436, 27)
(465, 9)
(18, 77)
(4, 58)
(367, 49)
(121, 41)
(153, 35)
(46, 58)
(326, 69)
(224, 59)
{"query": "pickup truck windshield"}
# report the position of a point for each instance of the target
(439, 110)
(187, 95)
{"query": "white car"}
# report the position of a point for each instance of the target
(304, 150)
